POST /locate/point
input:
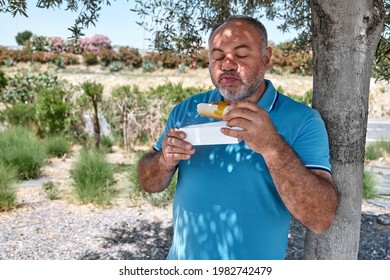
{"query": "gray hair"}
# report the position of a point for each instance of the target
(252, 21)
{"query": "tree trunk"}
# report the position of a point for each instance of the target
(345, 37)
(96, 123)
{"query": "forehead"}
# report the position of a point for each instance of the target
(235, 32)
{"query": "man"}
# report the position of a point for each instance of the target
(234, 201)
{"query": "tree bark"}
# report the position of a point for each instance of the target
(345, 37)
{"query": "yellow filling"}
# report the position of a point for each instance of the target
(221, 106)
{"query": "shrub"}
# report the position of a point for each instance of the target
(130, 56)
(20, 114)
(56, 44)
(53, 108)
(107, 56)
(116, 66)
(148, 66)
(369, 185)
(94, 44)
(20, 148)
(377, 150)
(160, 199)
(57, 146)
(90, 58)
(51, 190)
(22, 37)
(107, 142)
(93, 177)
(128, 114)
(8, 191)
(39, 43)
(3, 81)
(24, 86)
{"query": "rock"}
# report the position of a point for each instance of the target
(383, 219)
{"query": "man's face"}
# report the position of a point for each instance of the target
(237, 63)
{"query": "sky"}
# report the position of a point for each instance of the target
(116, 22)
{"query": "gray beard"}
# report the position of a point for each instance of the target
(242, 93)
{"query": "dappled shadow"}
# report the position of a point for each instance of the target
(141, 240)
(374, 240)
(144, 240)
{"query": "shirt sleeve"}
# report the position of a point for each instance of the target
(312, 144)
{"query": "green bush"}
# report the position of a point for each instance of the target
(148, 66)
(3, 81)
(51, 190)
(53, 109)
(116, 66)
(93, 178)
(130, 56)
(377, 150)
(20, 114)
(57, 146)
(90, 58)
(8, 190)
(369, 185)
(20, 148)
(160, 199)
(24, 86)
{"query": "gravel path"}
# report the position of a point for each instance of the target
(56, 230)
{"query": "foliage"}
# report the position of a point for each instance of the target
(21, 148)
(285, 60)
(8, 190)
(57, 146)
(378, 149)
(20, 114)
(56, 44)
(369, 184)
(3, 81)
(127, 112)
(107, 56)
(161, 199)
(130, 56)
(39, 43)
(93, 94)
(116, 66)
(23, 86)
(51, 190)
(381, 67)
(94, 44)
(53, 108)
(148, 66)
(22, 37)
(93, 177)
(90, 58)
(168, 59)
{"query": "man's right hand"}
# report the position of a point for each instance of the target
(175, 148)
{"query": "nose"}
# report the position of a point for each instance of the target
(229, 64)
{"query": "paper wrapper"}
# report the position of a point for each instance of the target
(208, 134)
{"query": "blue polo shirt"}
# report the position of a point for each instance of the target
(226, 205)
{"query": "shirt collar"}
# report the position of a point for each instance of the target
(270, 95)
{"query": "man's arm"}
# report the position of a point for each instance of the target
(155, 169)
(309, 195)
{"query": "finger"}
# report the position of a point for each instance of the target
(242, 123)
(249, 105)
(174, 132)
(233, 132)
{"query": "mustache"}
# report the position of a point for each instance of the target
(230, 74)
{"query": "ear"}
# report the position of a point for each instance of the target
(267, 57)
